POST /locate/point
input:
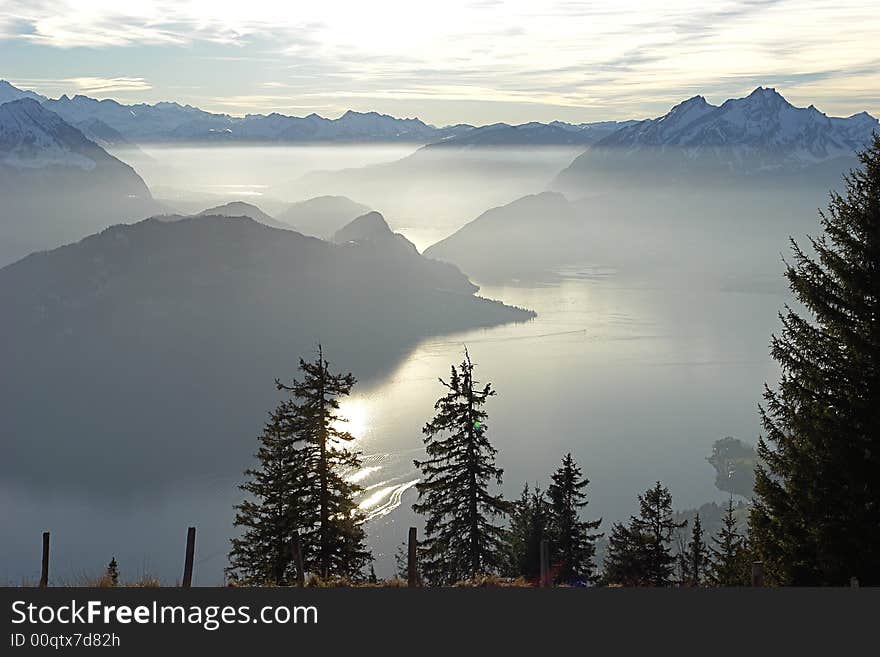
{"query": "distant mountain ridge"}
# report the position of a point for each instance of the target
(175, 122)
(760, 133)
(762, 120)
(170, 121)
(8, 93)
(110, 122)
(556, 133)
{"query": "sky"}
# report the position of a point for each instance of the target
(476, 61)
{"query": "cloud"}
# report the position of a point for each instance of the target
(87, 85)
(616, 58)
(92, 85)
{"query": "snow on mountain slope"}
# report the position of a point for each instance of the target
(8, 93)
(175, 122)
(56, 185)
(761, 131)
(31, 137)
(142, 122)
(555, 133)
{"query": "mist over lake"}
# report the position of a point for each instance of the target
(640, 357)
(426, 194)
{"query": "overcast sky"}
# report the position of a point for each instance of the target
(477, 61)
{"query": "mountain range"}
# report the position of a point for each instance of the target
(111, 123)
(759, 135)
(173, 122)
(556, 133)
(752, 165)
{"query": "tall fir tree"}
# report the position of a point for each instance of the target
(518, 533)
(656, 525)
(816, 513)
(312, 419)
(696, 556)
(681, 559)
(530, 521)
(639, 554)
(574, 543)
(463, 537)
(729, 556)
(278, 505)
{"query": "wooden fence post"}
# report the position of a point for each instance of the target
(412, 571)
(545, 563)
(44, 572)
(190, 552)
(757, 573)
(298, 556)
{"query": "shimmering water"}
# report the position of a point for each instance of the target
(635, 379)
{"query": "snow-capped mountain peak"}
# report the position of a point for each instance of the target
(685, 113)
(32, 137)
(9, 93)
(758, 132)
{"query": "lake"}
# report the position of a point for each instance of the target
(635, 379)
(635, 371)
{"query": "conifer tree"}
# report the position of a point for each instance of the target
(729, 557)
(518, 532)
(113, 572)
(697, 555)
(574, 544)
(656, 525)
(401, 561)
(278, 505)
(312, 420)
(639, 554)
(462, 537)
(529, 525)
(626, 557)
(681, 559)
(816, 513)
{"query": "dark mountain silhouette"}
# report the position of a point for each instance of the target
(242, 209)
(522, 238)
(372, 232)
(370, 227)
(146, 354)
(56, 185)
(321, 216)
